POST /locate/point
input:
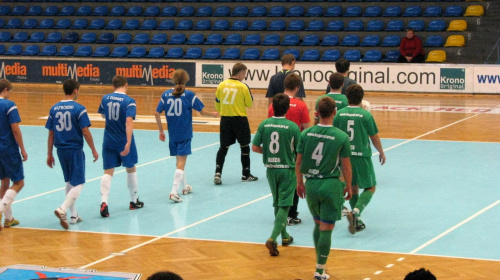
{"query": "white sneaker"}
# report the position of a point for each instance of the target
(62, 217)
(187, 189)
(175, 198)
(323, 276)
(345, 211)
(74, 220)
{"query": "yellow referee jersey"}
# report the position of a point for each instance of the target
(232, 98)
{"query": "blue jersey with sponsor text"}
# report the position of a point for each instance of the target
(8, 115)
(66, 119)
(116, 108)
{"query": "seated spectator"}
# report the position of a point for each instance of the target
(420, 274)
(411, 48)
(164, 275)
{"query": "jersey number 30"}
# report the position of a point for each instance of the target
(64, 120)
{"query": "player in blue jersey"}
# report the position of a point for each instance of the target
(118, 147)
(11, 162)
(178, 104)
(68, 124)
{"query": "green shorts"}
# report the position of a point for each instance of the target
(325, 198)
(363, 174)
(283, 183)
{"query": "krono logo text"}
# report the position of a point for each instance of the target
(149, 73)
(17, 69)
(64, 70)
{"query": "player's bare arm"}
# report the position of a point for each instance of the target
(347, 174)
(378, 145)
(301, 189)
(19, 139)
(90, 141)
(50, 148)
(160, 127)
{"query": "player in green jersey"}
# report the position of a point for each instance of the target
(276, 139)
(335, 81)
(361, 127)
(320, 150)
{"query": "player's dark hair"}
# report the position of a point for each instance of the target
(237, 68)
(326, 107)
(342, 65)
(119, 81)
(5, 84)
(420, 274)
(164, 275)
(70, 85)
(180, 78)
(292, 81)
(281, 103)
(354, 94)
(336, 80)
(287, 59)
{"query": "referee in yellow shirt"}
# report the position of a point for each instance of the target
(231, 100)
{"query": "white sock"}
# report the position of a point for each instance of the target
(132, 186)
(105, 187)
(177, 180)
(72, 208)
(8, 213)
(7, 200)
(71, 197)
(184, 180)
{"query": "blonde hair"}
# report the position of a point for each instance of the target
(180, 78)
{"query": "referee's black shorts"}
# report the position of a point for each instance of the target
(234, 129)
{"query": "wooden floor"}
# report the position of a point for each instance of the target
(198, 259)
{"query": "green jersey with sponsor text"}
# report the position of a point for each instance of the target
(359, 125)
(340, 100)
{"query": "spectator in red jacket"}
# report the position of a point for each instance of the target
(411, 50)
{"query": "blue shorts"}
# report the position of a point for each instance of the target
(111, 158)
(11, 166)
(182, 148)
(73, 165)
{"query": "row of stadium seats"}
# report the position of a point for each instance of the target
(244, 11)
(241, 1)
(256, 25)
(231, 39)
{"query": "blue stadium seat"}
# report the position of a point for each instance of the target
(2, 23)
(137, 52)
(258, 11)
(296, 11)
(291, 40)
(315, 25)
(204, 11)
(221, 24)
(310, 40)
(372, 56)
(50, 11)
(212, 53)
(392, 11)
(391, 41)
(34, 11)
(159, 39)
(258, 25)
(231, 53)
(123, 38)
(83, 51)
(310, 55)
(195, 39)
(30, 23)
(174, 53)
(46, 24)
(156, 52)
(131, 24)
(36, 37)
(88, 38)
(335, 25)
(141, 38)
(277, 11)
(240, 11)
(372, 11)
(79, 24)
(63, 24)
(251, 54)
(177, 39)
(395, 25)
(67, 11)
(391, 56)
(271, 40)
(119, 52)
(296, 25)
(193, 53)
(54, 37)
(185, 24)
(48, 50)
(66, 51)
(371, 41)
(277, 25)
(333, 11)
(167, 24)
(106, 38)
(101, 51)
(434, 41)
(100, 11)
(436, 25)
(169, 11)
(453, 11)
(417, 25)
(314, 11)
(214, 39)
(2, 49)
(350, 40)
(233, 39)
(355, 25)
(186, 11)
(18, 11)
(330, 55)
(412, 11)
(134, 11)
(375, 25)
(222, 11)
(96, 24)
(271, 54)
(152, 11)
(14, 50)
(4, 10)
(353, 11)
(31, 50)
(70, 38)
(21, 36)
(352, 55)
(13, 23)
(295, 52)
(239, 25)
(117, 11)
(149, 24)
(433, 11)
(251, 39)
(203, 24)
(83, 11)
(330, 40)
(114, 24)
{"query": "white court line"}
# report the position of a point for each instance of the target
(175, 231)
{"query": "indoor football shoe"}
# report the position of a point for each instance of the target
(11, 223)
(138, 204)
(62, 217)
(175, 197)
(287, 241)
(272, 246)
(293, 221)
(104, 210)
(323, 276)
(360, 226)
(249, 178)
(75, 220)
(351, 217)
(187, 189)
(345, 211)
(217, 179)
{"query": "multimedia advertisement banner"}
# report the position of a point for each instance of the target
(487, 79)
(97, 72)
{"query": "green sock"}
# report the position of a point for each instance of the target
(324, 243)
(353, 201)
(279, 221)
(316, 236)
(363, 200)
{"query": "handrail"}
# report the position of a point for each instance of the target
(497, 47)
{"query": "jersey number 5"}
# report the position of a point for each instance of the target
(350, 129)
